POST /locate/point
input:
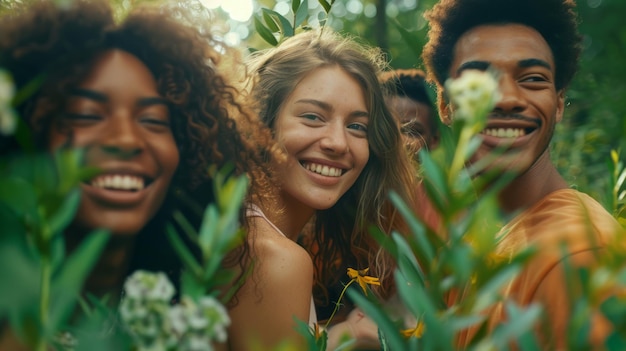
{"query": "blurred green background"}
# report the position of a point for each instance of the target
(595, 119)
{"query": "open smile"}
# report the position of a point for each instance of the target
(511, 132)
(325, 170)
(507, 132)
(117, 189)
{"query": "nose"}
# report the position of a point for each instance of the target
(512, 99)
(122, 137)
(335, 139)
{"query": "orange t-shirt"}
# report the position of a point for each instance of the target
(563, 217)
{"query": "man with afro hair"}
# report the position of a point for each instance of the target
(534, 46)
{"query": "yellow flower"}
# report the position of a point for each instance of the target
(414, 332)
(363, 279)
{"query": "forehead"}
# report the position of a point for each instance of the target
(501, 44)
(118, 69)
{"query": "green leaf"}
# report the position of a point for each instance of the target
(269, 21)
(411, 291)
(208, 231)
(417, 228)
(264, 32)
(188, 259)
(521, 322)
(190, 286)
(65, 213)
(407, 264)
(68, 281)
(19, 266)
(488, 294)
(377, 313)
(309, 335)
(435, 183)
(295, 4)
(19, 195)
(301, 13)
(325, 5)
(234, 192)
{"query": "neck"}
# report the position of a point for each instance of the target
(290, 215)
(530, 187)
(110, 270)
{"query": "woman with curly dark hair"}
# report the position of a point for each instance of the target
(147, 100)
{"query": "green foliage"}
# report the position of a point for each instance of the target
(432, 268)
(219, 234)
(274, 27)
(39, 283)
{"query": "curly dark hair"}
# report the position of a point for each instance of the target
(555, 20)
(53, 49)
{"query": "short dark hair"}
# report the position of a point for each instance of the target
(555, 20)
(408, 82)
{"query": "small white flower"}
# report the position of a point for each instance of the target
(473, 95)
(217, 315)
(178, 322)
(149, 286)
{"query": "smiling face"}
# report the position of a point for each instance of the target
(124, 124)
(322, 126)
(523, 121)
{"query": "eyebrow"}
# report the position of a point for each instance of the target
(100, 97)
(479, 65)
(484, 65)
(89, 94)
(534, 62)
(328, 107)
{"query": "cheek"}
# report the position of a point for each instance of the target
(169, 156)
(291, 140)
(361, 153)
(56, 140)
(57, 137)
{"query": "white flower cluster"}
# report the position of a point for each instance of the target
(8, 119)
(156, 325)
(196, 325)
(473, 94)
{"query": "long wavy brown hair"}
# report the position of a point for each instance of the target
(340, 235)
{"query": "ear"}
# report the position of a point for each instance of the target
(560, 105)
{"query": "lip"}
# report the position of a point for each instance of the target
(115, 198)
(530, 127)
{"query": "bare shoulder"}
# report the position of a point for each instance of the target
(277, 292)
(277, 258)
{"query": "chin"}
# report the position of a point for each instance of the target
(128, 223)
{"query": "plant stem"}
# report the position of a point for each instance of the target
(46, 275)
(458, 161)
(337, 303)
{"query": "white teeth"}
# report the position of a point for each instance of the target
(505, 132)
(323, 169)
(118, 182)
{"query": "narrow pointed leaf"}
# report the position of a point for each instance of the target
(264, 32)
